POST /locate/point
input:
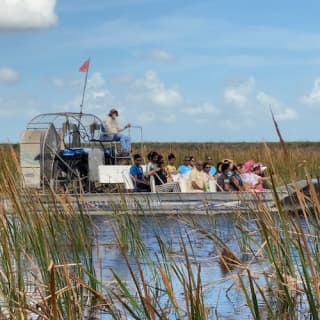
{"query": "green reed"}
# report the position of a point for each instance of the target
(46, 260)
(160, 300)
(289, 284)
(289, 243)
(46, 263)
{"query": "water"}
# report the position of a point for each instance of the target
(223, 296)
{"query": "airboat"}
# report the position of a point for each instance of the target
(70, 154)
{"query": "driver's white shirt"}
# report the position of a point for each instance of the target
(111, 125)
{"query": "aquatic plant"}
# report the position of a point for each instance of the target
(289, 242)
(160, 300)
(48, 269)
(46, 264)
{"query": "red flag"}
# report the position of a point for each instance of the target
(85, 66)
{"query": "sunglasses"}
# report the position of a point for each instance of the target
(207, 167)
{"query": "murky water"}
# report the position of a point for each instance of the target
(223, 295)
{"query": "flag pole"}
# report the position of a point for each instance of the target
(84, 67)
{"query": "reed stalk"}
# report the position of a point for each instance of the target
(35, 239)
(47, 265)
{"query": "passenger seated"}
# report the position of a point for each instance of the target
(197, 178)
(185, 168)
(192, 162)
(260, 170)
(209, 180)
(171, 168)
(152, 165)
(224, 181)
(213, 170)
(218, 166)
(161, 182)
(236, 180)
(136, 172)
(160, 176)
(251, 180)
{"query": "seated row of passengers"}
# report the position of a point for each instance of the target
(199, 176)
(155, 167)
(226, 176)
(247, 176)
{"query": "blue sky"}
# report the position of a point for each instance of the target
(183, 70)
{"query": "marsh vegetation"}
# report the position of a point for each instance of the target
(59, 263)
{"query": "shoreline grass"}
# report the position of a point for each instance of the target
(47, 268)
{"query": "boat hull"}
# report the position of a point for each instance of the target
(168, 202)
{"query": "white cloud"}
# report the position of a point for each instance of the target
(239, 94)
(166, 97)
(161, 55)
(281, 112)
(238, 124)
(202, 110)
(59, 83)
(8, 75)
(145, 94)
(64, 83)
(96, 80)
(151, 89)
(27, 14)
(146, 117)
(122, 79)
(314, 96)
(98, 99)
(286, 114)
(18, 106)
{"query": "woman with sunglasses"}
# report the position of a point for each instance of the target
(209, 180)
(213, 170)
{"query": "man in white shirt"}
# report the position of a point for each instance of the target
(197, 177)
(113, 129)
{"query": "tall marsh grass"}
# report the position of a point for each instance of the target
(288, 285)
(46, 264)
(48, 269)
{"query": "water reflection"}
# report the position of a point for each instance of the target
(222, 293)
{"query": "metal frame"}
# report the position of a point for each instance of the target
(75, 131)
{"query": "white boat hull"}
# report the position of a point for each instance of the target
(168, 202)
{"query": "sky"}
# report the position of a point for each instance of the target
(202, 71)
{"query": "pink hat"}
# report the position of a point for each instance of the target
(248, 166)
